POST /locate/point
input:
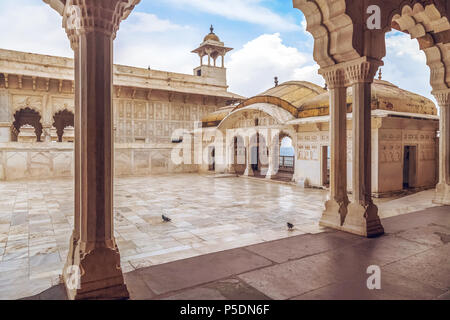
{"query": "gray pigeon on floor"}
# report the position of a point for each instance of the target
(290, 226)
(166, 219)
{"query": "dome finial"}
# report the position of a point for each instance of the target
(380, 75)
(212, 29)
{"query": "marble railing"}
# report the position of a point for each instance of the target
(48, 160)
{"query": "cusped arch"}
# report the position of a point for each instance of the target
(63, 119)
(283, 104)
(26, 116)
(429, 25)
(279, 114)
(332, 29)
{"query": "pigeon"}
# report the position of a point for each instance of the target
(290, 226)
(166, 219)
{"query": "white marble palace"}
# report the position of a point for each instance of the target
(37, 112)
(151, 107)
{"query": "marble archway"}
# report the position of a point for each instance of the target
(62, 120)
(349, 54)
(26, 116)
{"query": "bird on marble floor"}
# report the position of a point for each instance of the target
(166, 219)
(290, 226)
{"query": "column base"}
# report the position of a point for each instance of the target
(442, 194)
(363, 220)
(100, 273)
(249, 172)
(270, 174)
(71, 254)
(231, 170)
(334, 214)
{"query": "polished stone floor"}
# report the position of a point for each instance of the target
(209, 214)
(413, 259)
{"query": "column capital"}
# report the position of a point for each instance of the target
(81, 16)
(362, 70)
(443, 98)
(334, 77)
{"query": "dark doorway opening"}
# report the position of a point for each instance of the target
(212, 159)
(258, 155)
(325, 166)
(239, 160)
(409, 167)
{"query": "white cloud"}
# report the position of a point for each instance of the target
(402, 46)
(251, 70)
(251, 11)
(174, 57)
(405, 65)
(146, 40)
(32, 27)
(147, 23)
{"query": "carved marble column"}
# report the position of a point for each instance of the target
(272, 146)
(336, 206)
(443, 187)
(92, 26)
(271, 172)
(46, 133)
(231, 147)
(248, 163)
(74, 42)
(362, 215)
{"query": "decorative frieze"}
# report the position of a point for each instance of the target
(23, 101)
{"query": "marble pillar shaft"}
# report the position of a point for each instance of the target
(444, 145)
(361, 143)
(77, 154)
(362, 214)
(248, 163)
(338, 142)
(443, 187)
(96, 142)
(336, 207)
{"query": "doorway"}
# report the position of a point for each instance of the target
(325, 166)
(239, 159)
(258, 155)
(409, 167)
(286, 163)
(212, 159)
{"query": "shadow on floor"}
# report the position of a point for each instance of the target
(414, 257)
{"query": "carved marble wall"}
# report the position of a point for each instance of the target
(55, 160)
(391, 154)
(309, 152)
(388, 152)
(143, 131)
(155, 121)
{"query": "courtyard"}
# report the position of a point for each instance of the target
(210, 213)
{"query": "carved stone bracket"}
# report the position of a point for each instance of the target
(82, 16)
(334, 77)
(362, 71)
(443, 98)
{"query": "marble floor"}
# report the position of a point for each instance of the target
(209, 214)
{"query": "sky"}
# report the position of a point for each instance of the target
(268, 37)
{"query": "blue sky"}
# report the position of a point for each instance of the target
(268, 37)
